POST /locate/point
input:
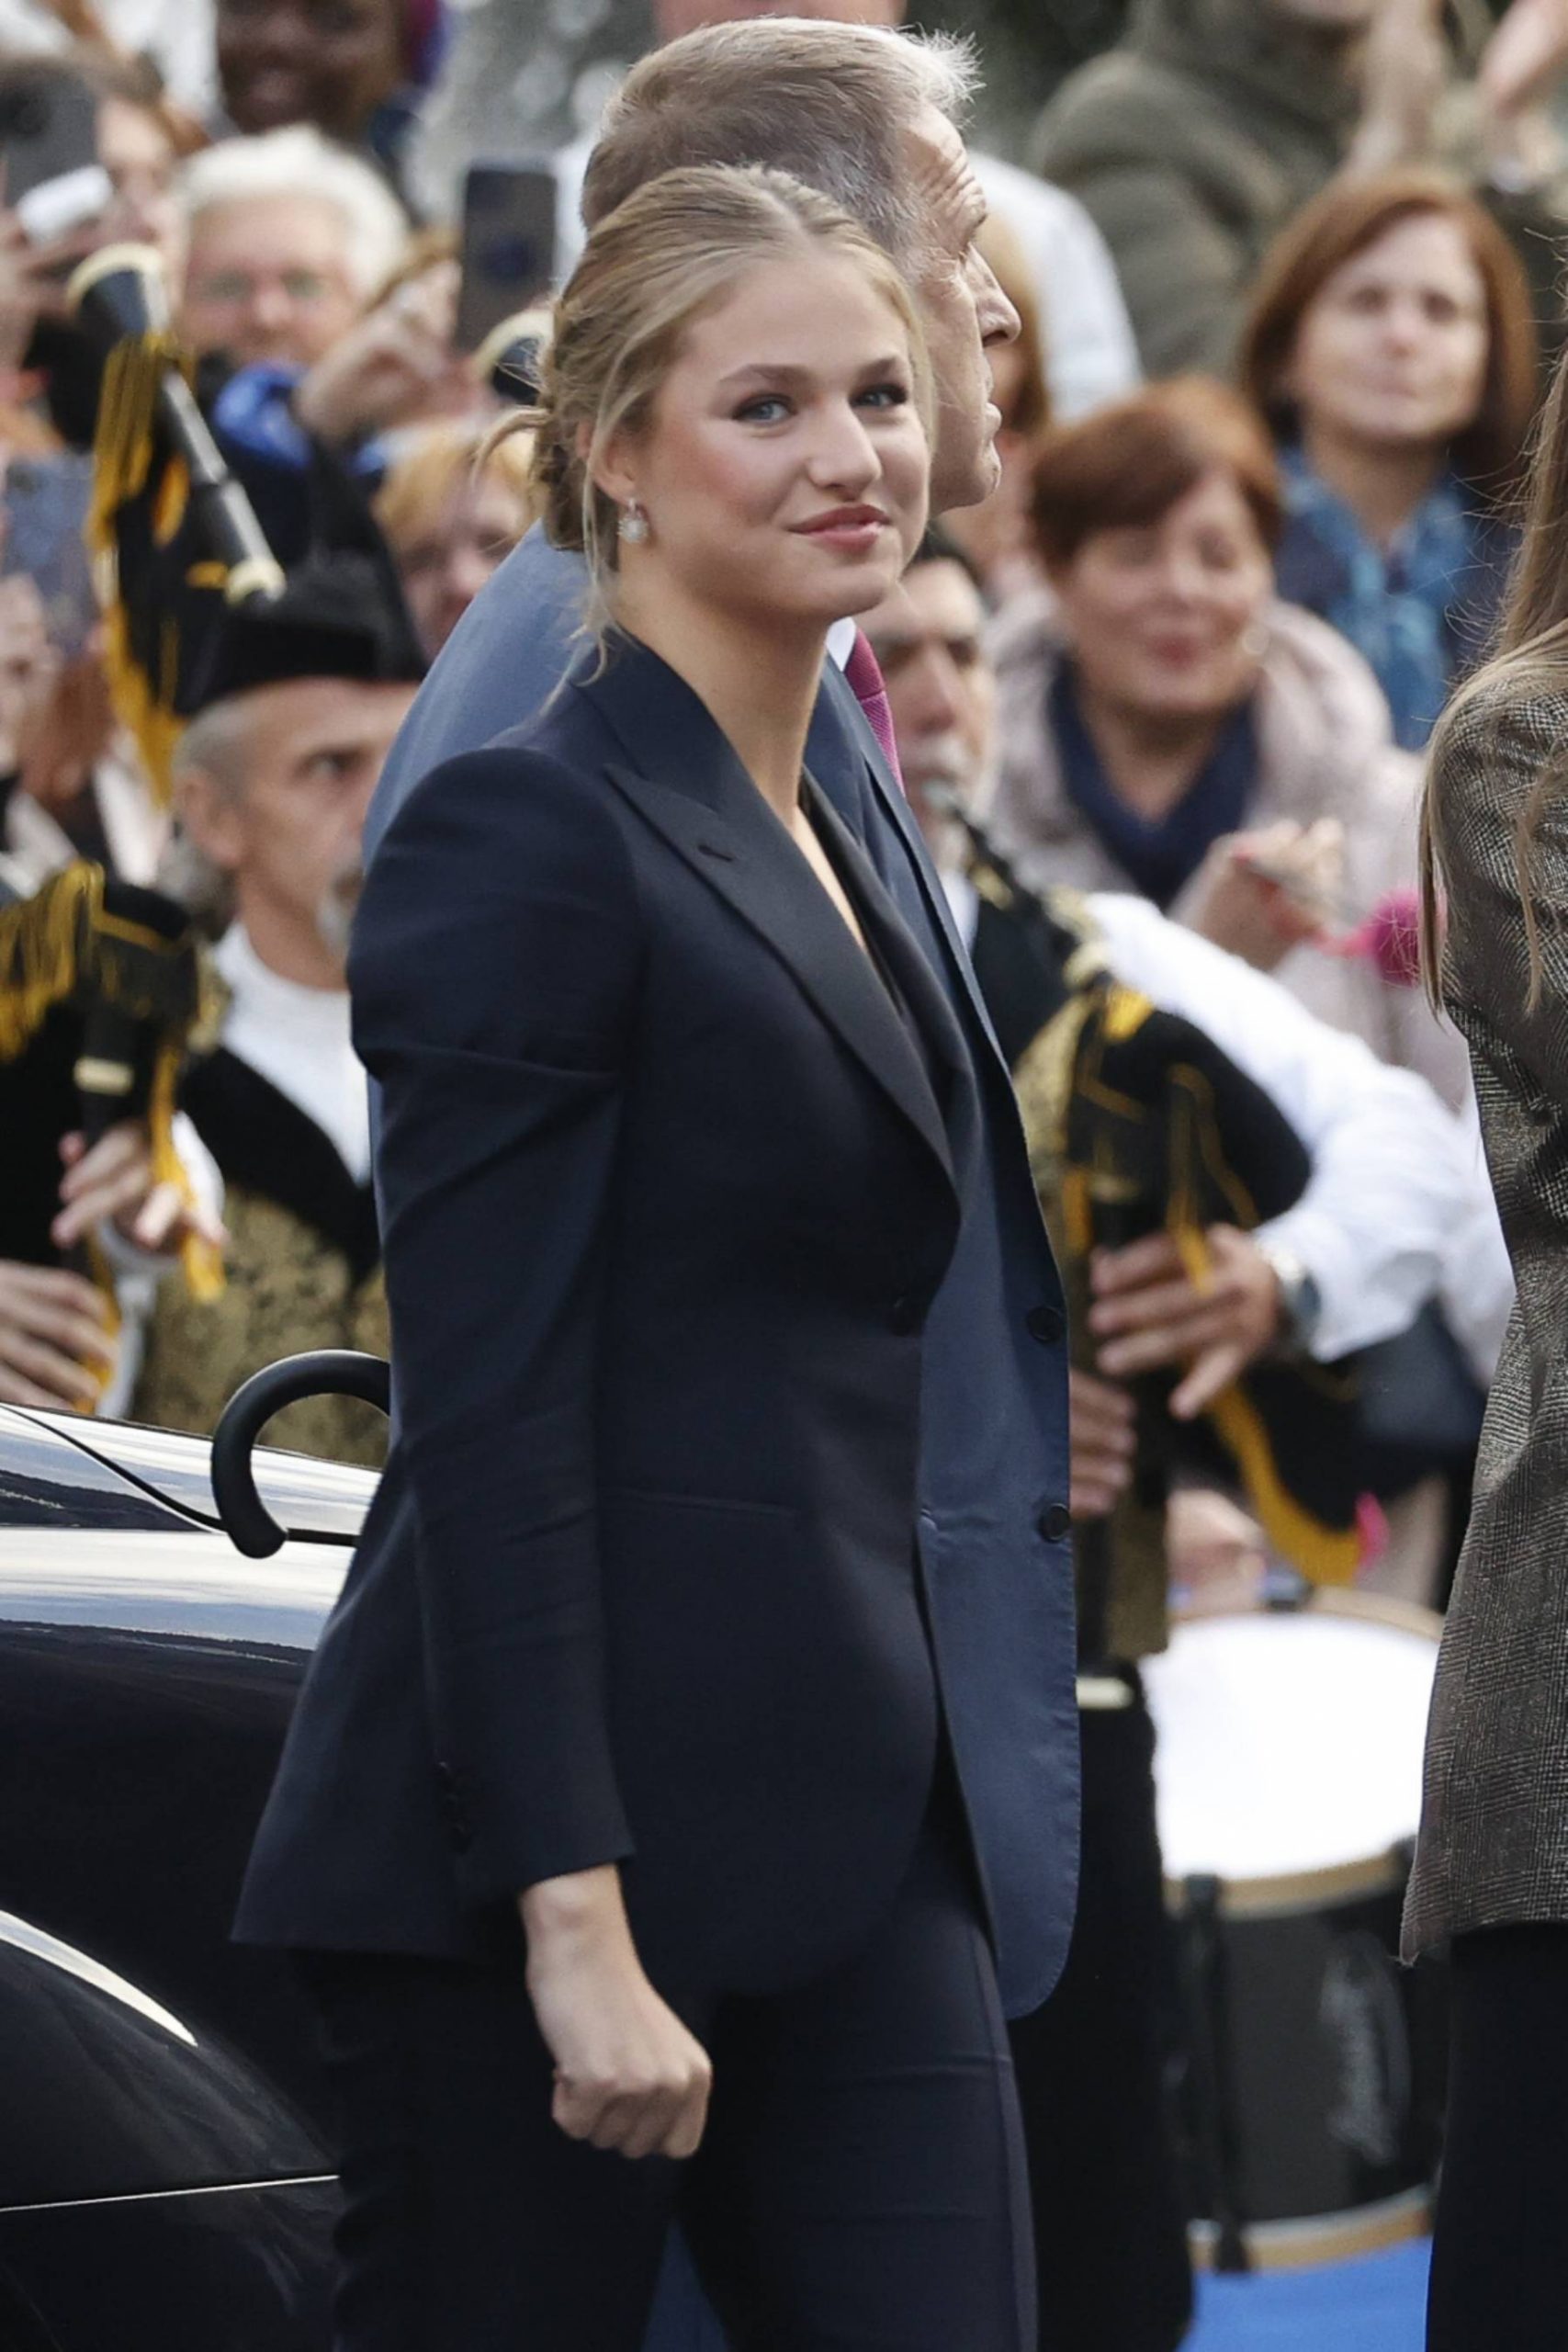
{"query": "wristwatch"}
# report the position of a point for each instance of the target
(1300, 1300)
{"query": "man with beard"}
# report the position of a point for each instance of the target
(273, 777)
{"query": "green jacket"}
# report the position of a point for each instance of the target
(1196, 140)
(1192, 143)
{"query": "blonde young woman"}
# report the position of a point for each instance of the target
(1492, 1863)
(618, 1819)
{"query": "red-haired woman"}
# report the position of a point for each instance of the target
(1392, 348)
(1160, 701)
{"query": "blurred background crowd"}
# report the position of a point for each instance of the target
(1288, 277)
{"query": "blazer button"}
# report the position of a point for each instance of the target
(903, 1315)
(452, 1806)
(1056, 1522)
(1045, 1324)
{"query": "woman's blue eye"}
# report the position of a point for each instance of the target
(887, 395)
(774, 403)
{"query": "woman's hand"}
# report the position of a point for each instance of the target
(628, 2076)
(396, 365)
(1258, 894)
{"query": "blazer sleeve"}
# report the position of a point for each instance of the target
(1486, 770)
(495, 973)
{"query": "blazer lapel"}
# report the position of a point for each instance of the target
(909, 965)
(839, 728)
(683, 778)
(748, 858)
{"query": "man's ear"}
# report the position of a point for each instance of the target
(210, 818)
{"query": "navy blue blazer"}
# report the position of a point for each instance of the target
(670, 1185)
(993, 1471)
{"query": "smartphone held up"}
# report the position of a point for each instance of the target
(53, 179)
(508, 246)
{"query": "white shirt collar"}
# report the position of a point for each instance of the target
(964, 900)
(298, 1039)
(841, 641)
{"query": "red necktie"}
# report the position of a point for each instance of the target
(866, 682)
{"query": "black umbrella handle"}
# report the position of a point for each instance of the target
(324, 1371)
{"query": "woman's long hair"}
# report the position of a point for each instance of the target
(1531, 659)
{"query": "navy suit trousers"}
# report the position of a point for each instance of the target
(862, 2182)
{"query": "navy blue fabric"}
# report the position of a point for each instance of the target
(1159, 855)
(667, 1194)
(1498, 2281)
(993, 1467)
(860, 2183)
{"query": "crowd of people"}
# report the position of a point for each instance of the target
(1223, 610)
(1268, 313)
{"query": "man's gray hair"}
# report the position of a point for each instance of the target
(829, 103)
(298, 162)
(216, 744)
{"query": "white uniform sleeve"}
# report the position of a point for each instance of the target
(1392, 1180)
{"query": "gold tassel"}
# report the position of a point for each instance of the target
(1322, 1555)
(122, 458)
(40, 945)
(103, 1278)
(200, 1263)
(45, 944)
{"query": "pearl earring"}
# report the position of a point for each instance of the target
(634, 524)
(1255, 640)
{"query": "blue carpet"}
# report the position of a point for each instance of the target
(1375, 2305)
